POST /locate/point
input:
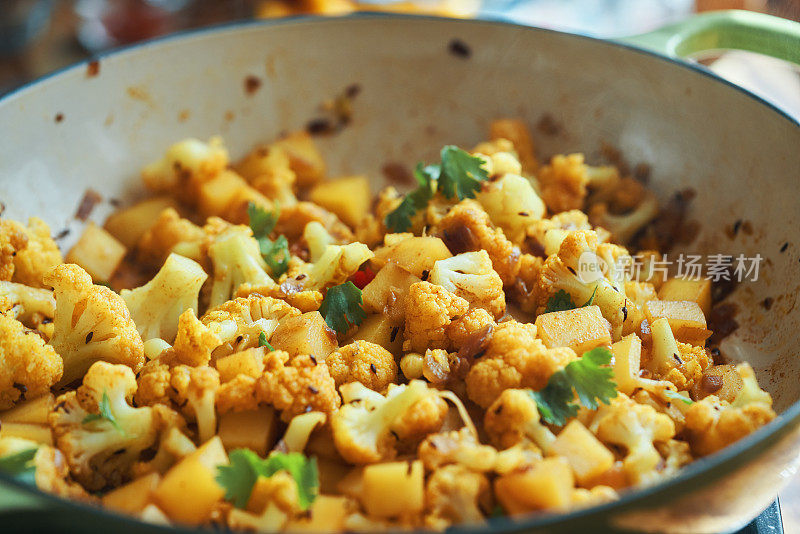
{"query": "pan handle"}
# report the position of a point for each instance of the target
(722, 30)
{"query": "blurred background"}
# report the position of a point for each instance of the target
(39, 36)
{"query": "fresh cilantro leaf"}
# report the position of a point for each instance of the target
(262, 222)
(561, 301)
(341, 307)
(262, 341)
(20, 466)
(246, 467)
(275, 253)
(399, 220)
(590, 378)
(461, 173)
(674, 395)
(239, 476)
(105, 413)
(591, 299)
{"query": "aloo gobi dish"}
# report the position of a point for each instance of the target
(258, 347)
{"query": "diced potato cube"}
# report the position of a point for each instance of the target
(38, 433)
(129, 225)
(581, 329)
(98, 252)
(305, 334)
(251, 429)
(304, 158)
(387, 292)
(249, 362)
(415, 254)
(546, 485)
(685, 318)
(393, 488)
(328, 513)
(698, 291)
(381, 330)
(133, 496)
(33, 411)
(584, 452)
(627, 362)
(189, 490)
(349, 198)
(218, 193)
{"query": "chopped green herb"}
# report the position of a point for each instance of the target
(458, 176)
(461, 173)
(275, 253)
(341, 307)
(590, 378)
(105, 413)
(399, 220)
(562, 301)
(262, 341)
(20, 466)
(246, 467)
(591, 299)
(674, 395)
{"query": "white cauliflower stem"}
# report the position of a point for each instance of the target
(156, 306)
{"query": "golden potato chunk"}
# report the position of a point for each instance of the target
(348, 197)
(305, 334)
(98, 252)
(580, 329)
(393, 488)
(698, 291)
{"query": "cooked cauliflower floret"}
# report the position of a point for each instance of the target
(237, 260)
(549, 233)
(470, 276)
(637, 427)
(563, 182)
(363, 426)
(98, 430)
(581, 268)
(294, 219)
(31, 305)
(268, 170)
(186, 165)
(514, 418)
(456, 495)
(331, 264)
(429, 311)
(459, 447)
(623, 227)
(297, 385)
(365, 362)
(195, 341)
(464, 329)
(91, 323)
(512, 204)
(241, 321)
(156, 306)
(51, 473)
(168, 232)
(467, 228)
(514, 359)
(680, 363)
(28, 367)
(27, 253)
(426, 416)
(712, 424)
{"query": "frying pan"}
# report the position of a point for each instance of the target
(95, 127)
